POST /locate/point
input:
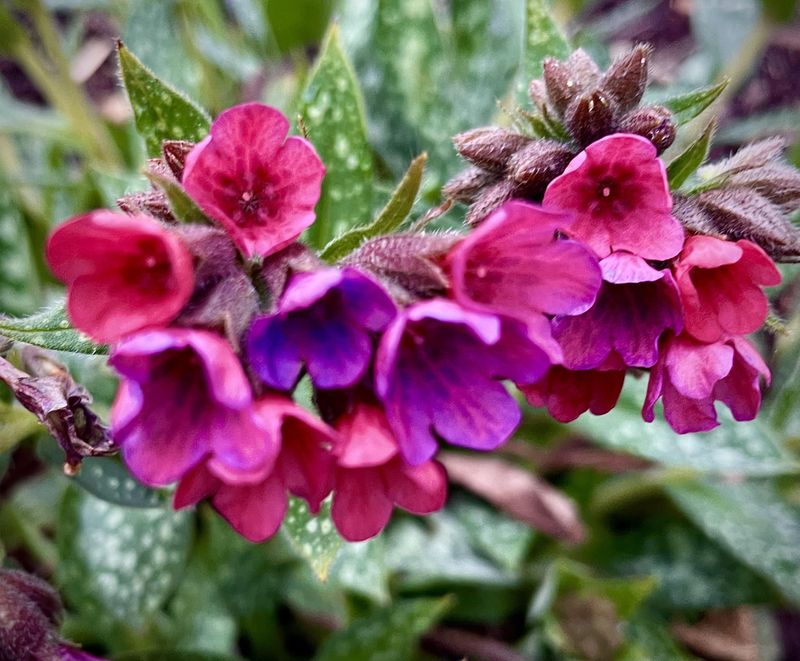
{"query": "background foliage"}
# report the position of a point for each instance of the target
(624, 542)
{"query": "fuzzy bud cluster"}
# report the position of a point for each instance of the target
(585, 103)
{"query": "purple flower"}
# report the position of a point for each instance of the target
(437, 372)
(184, 397)
(636, 305)
(324, 320)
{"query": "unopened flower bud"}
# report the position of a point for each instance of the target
(536, 165)
(25, 631)
(491, 198)
(40, 592)
(590, 117)
(778, 182)
(565, 80)
(537, 92)
(467, 185)
(489, 147)
(408, 265)
(651, 122)
(175, 153)
(151, 203)
(626, 79)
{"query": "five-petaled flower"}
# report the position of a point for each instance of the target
(258, 184)
(617, 188)
(123, 273)
(325, 320)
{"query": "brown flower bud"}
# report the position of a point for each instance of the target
(152, 203)
(39, 591)
(175, 153)
(467, 185)
(537, 92)
(490, 147)
(407, 264)
(277, 268)
(651, 122)
(583, 69)
(25, 631)
(626, 79)
(536, 165)
(590, 117)
(491, 198)
(560, 84)
(740, 213)
(778, 182)
(755, 155)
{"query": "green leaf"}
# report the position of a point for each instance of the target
(687, 162)
(685, 107)
(543, 38)
(692, 573)
(182, 206)
(119, 564)
(49, 329)
(19, 284)
(390, 634)
(753, 522)
(333, 114)
(172, 655)
(389, 219)
(314, 537)
(649, 640)
(107, 479)
(744, 448)
(161, 113)
(360, 567)
(16, 424)
(297, 23)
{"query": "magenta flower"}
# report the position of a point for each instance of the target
(617, 188)
(637, 303)
(184, 398)
(437, 372)
(325, 320)
(568, 393)
(691, 375)
(123, 273)
(372, 477)
(261, 186)
(304, 468)
(720, 283)
(513, 265)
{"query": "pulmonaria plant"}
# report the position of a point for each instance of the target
(578, 265)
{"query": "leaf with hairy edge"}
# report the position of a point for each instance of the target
(161, 112)
(49, 329)
(390, 634)
(753, 522)
(685, 107)
(333, 114)
(314, 537)
(543, 38)
(687, 162)
(389, 219)
(119, 564)
(181, 205)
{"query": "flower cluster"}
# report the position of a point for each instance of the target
(576, 274)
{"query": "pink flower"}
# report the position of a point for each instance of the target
(513, 265)
(617, 188)
(371, 477)
(720, 285)
(124, 273)
(438, 370)
(637, 303)
(261, 186)
(568, 393)
(304, 467)
(184, 398)
(691, 375)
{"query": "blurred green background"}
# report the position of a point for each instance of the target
(624, 541)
